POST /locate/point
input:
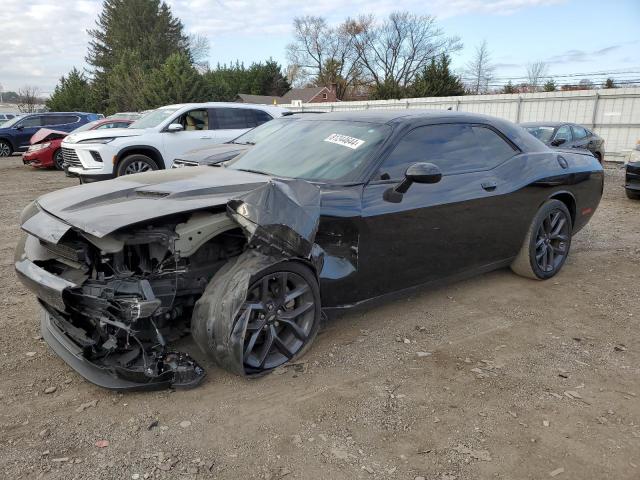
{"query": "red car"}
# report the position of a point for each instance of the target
(45, 151)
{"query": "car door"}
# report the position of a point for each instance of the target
(196, 132)
(25, 130)
(442, 229)
(230, 122)
(580, 137)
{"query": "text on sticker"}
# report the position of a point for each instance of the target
(344, 140)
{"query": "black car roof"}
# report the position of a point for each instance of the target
(404, 116)
(545, 124)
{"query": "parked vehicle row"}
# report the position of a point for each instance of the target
(155, 140)
(46, 144)
(327, 213)
(15, 134)
(5, 117)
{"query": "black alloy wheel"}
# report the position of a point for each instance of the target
(282, 322)
(552, 241)
(58, 160)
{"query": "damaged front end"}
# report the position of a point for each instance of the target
(113, 305)
(117, 302)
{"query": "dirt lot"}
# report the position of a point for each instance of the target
(515, 379)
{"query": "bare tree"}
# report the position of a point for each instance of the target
(28, 99)
(479, 70)
(392, 52)
(536, 73)
(199, 50)
(323, 54)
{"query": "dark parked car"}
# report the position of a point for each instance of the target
(566, 135)
(632, 174)
(334, 211)
(214, 154)
(16, 133)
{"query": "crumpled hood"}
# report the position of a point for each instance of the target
(104, 207)
(105, 133)
(45, 134)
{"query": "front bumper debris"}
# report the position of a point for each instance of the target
(171, 369)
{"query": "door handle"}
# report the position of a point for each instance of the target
(489, 185)
(206, 138)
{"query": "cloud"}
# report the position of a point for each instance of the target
(45, 38)
(581, 56)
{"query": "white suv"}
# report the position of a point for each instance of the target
(153, 141)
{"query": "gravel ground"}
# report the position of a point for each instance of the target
(495, 377)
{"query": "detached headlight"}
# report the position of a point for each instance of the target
(97, 140)
(39, 146)
(29, 211)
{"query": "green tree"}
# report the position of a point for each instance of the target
(436, 80)
(509, 88)
(73, 93)
(267, 79)
(387, 90)
(549, 86)
(176, 81)
(146, 27)
(609, 83)
(125, 84)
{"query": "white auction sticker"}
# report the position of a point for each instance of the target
(344, 140)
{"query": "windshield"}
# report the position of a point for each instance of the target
(252, 137)
(542, 133)
(86, 126)
(11, 123)
(315, 150)
(154, 118)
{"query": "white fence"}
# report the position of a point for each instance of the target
(614, 114)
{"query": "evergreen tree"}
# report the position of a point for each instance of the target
(509, 88)
(549, 86)
(146, 27)
(177, 81)
(125, 84)
(436, 80)
(267, 79)
(609, 83)
(72, 93)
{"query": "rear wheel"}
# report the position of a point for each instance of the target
(5, 149)
(58, 161)
(546, 246)
(136, 163)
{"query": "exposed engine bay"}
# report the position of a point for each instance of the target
(135, 291)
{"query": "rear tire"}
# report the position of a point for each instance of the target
(632, 195)
(136, 163)
(547, 243)
(5, 149)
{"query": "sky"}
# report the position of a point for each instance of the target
(44, 39)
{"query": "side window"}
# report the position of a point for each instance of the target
(563, 133)
(232, 118)
(34, 121)
(455, 148)
(262, 117)
(194, 120)
(578, 132)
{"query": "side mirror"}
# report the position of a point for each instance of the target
(416, 173)
(20, 127)
(175, 127)
(558, 141)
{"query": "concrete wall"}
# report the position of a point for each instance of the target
(613, 114)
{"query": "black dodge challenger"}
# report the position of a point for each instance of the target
(332, 212)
